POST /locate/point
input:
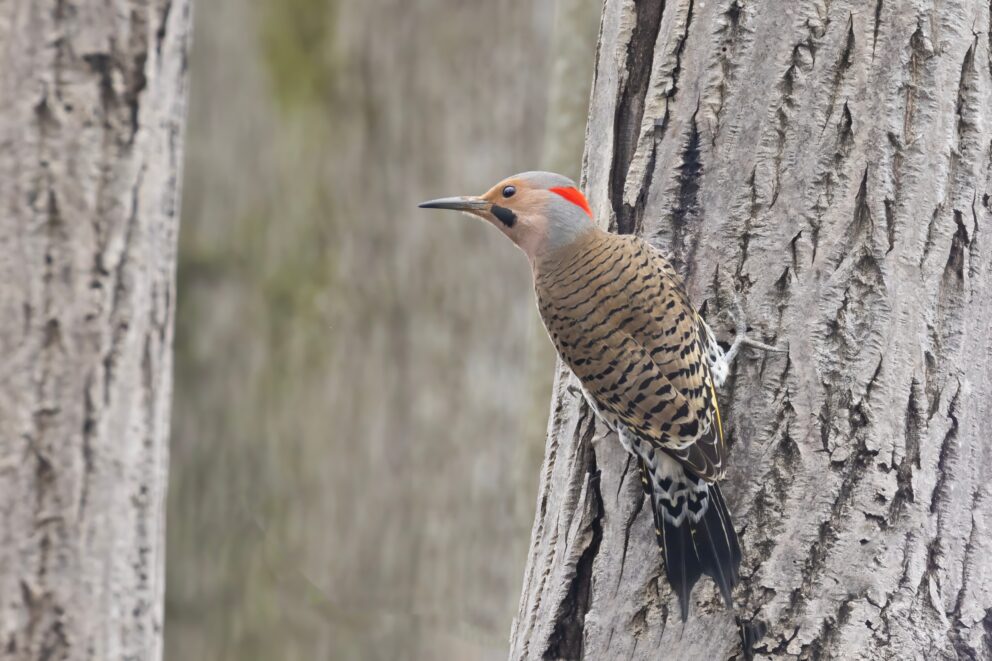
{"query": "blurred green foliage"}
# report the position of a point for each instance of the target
(298, 40)
(361, 389)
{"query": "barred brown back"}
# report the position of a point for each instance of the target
(619, 316)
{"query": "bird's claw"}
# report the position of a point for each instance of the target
(748, 342)
(740, 319)
(741, 339)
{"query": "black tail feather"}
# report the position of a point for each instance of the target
(708, 545)
(718, 546)
(681, 563)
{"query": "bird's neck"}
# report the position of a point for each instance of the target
(554, 254)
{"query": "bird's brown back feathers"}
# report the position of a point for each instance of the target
(619, 316)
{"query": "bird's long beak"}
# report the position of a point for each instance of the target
(466, 203)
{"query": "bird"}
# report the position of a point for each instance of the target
(646, 361)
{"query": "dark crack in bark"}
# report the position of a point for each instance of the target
(947, 447)
(911, 454)
(687, 202)
(844, 61)
(630, 105)
(566, 641)
(877, 24)
(730, 30)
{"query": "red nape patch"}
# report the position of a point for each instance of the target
(575, 196)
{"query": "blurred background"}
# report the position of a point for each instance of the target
(362, 388)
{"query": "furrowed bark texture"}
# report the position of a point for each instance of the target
(829, 162)
(92, 98)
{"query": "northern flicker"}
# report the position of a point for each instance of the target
(647, 362)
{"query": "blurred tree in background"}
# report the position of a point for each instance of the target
(361, 388)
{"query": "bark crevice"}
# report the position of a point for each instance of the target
(630, 105)
(566, 641)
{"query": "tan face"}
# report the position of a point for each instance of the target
(513, 206)
(518, 210)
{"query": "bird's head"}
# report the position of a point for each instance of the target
(538, 211)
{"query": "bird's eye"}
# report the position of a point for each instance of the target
(509, 191)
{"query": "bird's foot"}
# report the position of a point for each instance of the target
(741, 339)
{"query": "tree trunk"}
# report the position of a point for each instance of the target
(829, 162)
(92, 99)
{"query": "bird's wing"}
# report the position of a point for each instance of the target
(620, 319)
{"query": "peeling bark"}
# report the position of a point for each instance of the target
(830, 165)
(92, 100)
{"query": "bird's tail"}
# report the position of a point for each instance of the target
(694, 529)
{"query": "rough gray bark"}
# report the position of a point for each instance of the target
(830, 162)
(92, 98)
